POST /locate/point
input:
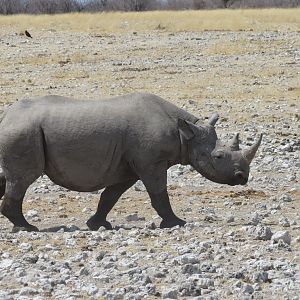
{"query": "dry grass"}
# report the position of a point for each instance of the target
(173, 21)
(93, 55)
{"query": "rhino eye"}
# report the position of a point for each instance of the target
(219, 155)
(203, 154)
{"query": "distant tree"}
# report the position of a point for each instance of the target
(96, 5)
(227, 3)
(265, 3)
(199, 4)
(67, 6)
(139, 5)
(9, 7)
(180, 4)
(42, 7)
(130, 5)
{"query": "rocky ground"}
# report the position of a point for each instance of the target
(239, 242)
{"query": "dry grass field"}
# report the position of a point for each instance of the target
(171, 21)
(245, 64)
(144, 52)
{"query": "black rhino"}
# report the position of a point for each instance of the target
(89, 145)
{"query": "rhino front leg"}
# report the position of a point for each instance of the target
(155, 180)
(108, 199)
(161, 204)
(11, 206)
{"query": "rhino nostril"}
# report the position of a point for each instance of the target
(240, 175)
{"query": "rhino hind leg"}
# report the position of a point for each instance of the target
(2, 184)
(11, 206)
(108, 199)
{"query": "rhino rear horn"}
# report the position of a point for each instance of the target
(213, 119)
(250, 152)
(234, 143)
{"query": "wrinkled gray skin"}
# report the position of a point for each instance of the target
(90, 145)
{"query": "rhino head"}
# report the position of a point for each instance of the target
(214, 159)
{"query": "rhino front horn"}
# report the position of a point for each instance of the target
(213, 119)
(250, 152)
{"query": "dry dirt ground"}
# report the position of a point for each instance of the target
(226, 251)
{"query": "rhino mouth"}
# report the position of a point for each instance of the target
(240, 178)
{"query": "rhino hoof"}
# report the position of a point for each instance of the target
(95, 224)
(27, 228)
(172, 223)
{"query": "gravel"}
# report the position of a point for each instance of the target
(239, 242)
(283, 236)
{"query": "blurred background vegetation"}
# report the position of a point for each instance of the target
(8, 7)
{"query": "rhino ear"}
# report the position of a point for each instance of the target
(187, 129)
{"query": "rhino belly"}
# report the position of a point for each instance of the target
(86, 179)
(77, 179)
(85, 169)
